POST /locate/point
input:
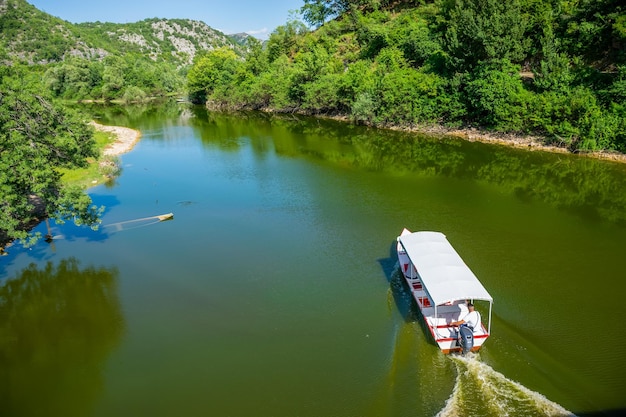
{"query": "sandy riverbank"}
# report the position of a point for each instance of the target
(125, 139)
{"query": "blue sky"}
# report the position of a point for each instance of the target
(256, 17)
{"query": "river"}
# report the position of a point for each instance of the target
(274, 290)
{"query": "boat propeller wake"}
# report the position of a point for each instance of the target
(480, 390)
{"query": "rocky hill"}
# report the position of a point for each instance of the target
(35, 37)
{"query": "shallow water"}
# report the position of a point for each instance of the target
(274, 290)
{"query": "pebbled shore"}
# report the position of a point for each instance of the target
(125, 139)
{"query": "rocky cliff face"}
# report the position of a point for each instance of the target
(182, 39)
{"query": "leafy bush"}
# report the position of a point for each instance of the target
(411, 34)
(481, 30)
(134, 94)
(409, 96)
(212, 72)
(322, 95)
(496, 96)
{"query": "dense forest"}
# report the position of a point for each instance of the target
(552, 68)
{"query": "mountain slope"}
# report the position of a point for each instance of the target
(176, 40)
(32, 36)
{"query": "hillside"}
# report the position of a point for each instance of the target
(177, 40)
(34, 37)
(553, 70)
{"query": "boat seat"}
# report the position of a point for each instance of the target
(416, 285)
(424, 301)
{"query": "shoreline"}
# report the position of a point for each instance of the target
(124, 141)
(529, 142)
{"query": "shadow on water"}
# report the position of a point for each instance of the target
(389, 265)
(45, 249)
(400, 292)
(59, 231)
(71, 232)
(59, 324)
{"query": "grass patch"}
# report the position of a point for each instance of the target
(99, 170)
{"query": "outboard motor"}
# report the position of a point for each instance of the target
(467, 339)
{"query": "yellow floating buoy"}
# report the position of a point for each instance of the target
(163, 217)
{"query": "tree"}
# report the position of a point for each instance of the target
(256, 59)
(38, 136)
(212, 72)
(316, 12)
(481, 30)
(596, 30)
(284, 38)
(496, 96)
(113, 76)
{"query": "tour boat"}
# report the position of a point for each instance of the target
(441, 284)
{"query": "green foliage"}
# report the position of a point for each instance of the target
(316, 12)
(284, 38)
(79, 78)
(212, 74)
(278, 82)
(514, 66)
(481, 30)
(358, 78)
(411, 34)
(596, 30)
(322, 94)
(133, 94)
(496, 96)
(615, 92)
(373, 33)
(256, 59)
(364, 107)
(574, 119)
(37, 137)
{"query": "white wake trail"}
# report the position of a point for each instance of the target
(479, 390)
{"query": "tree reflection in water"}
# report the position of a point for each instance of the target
(57, 327)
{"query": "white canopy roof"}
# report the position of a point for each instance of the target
(442, 271)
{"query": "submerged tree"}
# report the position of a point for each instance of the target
(38, 136)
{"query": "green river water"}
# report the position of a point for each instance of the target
(274, 291)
